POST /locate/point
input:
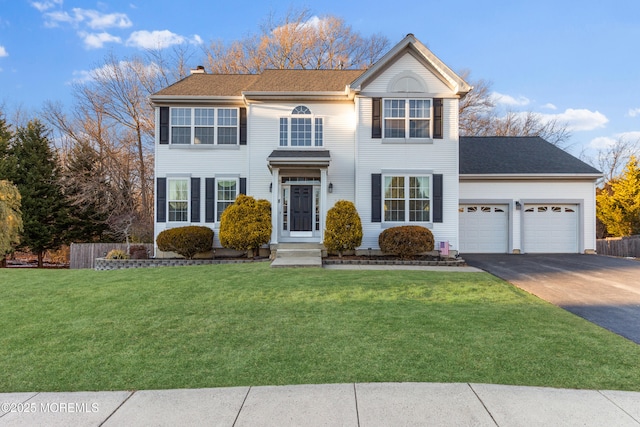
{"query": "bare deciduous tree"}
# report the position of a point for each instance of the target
(112, 116)
(612, 159)
(479, 116)
(299, 40)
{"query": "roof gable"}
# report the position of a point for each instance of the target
(419, 51)
(496, 155)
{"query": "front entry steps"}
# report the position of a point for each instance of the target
(297, 255)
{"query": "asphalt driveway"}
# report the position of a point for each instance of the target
(603, 290)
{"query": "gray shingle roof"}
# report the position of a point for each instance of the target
(517, 155)
(309, 154)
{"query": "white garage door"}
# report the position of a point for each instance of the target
(550, 228)
(484, 229)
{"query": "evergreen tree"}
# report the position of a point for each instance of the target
(6, 162)
(87, 193)
(37, 176)
(618, 204)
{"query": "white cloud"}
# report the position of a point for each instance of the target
(87, 17)
(578, 119)
(109, 71)
(54, 19)
(100, 21)
(604, 142)
(154, 39)
(549, 106)
(81, 76)
(629, 136)
(634, 112)
(197, 40)
(46, 5)
(313, 22)
(509, 100)
(3, 52)
(98, 40)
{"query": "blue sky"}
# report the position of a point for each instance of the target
(577, 62)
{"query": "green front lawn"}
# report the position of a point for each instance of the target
(248, 324)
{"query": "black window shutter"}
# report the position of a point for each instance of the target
(243, 186)
(437, 118)
(195, 199)
(161, 200)
(437, 198)
(209, 200)
(376, 118)
(376, 197)
(243, 126)
(164, 125)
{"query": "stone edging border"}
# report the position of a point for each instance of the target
(103, 264)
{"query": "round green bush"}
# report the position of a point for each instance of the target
(186, 241)
(343, 231)
(406, 241)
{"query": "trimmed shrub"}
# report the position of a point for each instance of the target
(406, 241)
(117, 254)
(186, 241)
(246, 225)
(343, 230)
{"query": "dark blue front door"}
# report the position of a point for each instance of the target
(301, 207)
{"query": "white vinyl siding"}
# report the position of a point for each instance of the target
(407, 63)
(374, 156)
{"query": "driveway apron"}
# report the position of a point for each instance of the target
(603, 290)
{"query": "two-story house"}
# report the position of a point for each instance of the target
(385, 138)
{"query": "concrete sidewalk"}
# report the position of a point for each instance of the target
(360, 404)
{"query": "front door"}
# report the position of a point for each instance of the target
(302, 208)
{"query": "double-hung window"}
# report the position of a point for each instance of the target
(407, 118)
(178, 200)
(406, 198)
(210, 126)
(301, 129)
(226, 193)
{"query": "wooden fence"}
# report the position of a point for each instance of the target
(83, 255)
(619, 246)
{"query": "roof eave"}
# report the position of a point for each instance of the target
(530, 176)
(315, 95)
(157, 100)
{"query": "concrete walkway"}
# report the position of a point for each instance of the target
(360, 404)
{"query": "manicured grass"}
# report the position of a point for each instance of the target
(230, 325)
